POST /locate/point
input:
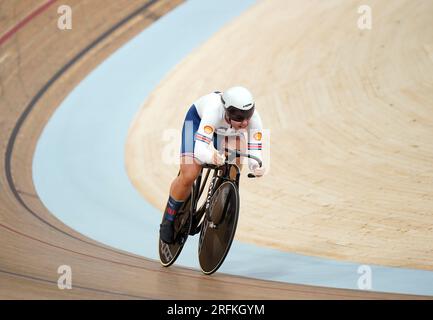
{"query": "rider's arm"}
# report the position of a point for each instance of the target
(255, 138)
(204, 149)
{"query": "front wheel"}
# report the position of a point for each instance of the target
(219, 227)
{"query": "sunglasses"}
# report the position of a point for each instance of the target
(239, 115)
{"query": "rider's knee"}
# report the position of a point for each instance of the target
(188, 174)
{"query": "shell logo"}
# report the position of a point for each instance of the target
(208, 129)
(258, 136)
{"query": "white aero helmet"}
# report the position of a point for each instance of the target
(239, 103)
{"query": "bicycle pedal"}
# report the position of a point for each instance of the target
(213, 225)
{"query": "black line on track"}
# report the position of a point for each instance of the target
(28, 194)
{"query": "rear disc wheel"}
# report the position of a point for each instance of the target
(219, 227)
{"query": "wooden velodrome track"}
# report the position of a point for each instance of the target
(39, 65)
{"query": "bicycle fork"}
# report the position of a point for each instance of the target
(209, 197)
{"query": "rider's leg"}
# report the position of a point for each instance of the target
(189, 170)
(179, 191)
(181, 186)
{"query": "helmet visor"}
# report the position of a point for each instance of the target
(239, 115)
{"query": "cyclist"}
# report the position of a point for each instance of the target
(217, 114)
